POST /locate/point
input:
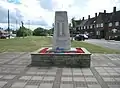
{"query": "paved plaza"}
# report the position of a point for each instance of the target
(16, 72)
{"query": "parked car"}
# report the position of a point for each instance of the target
(3, 36)
(81, 37)
(117, 38)
(85, 36)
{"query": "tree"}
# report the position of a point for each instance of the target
(22, 32)
(69, 25)
(40, 32)
(70, 29)
(50, 31)
(73, 22)
(73, 26)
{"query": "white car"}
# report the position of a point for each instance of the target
(85, 36)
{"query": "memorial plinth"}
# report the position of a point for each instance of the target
(61, 53)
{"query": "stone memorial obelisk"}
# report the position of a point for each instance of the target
(61, 53)
(61, 36)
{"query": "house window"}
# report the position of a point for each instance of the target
(84, 27)
(116, 23)
(81, 27)
(110, 24)
(114, 30)
(91, 26)
(87, 27)
(94, 21)
(101, 25)
(97, 25)
(97, 32)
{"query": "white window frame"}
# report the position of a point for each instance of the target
(116, 23)
(101, 25)
(110, 24)
(97, 25)
(84, 27)
(91, 26)
(114, 30)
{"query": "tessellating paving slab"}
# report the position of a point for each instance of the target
(16, 72)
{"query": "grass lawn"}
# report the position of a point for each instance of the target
(94, 48)
(24, 44)
(33, 43)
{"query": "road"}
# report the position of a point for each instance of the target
(105, 43)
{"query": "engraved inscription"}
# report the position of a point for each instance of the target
(63, 28)
(58, 28)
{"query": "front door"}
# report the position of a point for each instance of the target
(102, 34)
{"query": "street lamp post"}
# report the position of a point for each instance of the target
(8, 25)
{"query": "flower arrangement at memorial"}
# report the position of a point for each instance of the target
(60, 50)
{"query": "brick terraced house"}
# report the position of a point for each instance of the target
(104, 25)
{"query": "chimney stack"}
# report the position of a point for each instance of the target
(83, 18)
(88, 17)
(104, 11)
(95, 15)
(114, 9)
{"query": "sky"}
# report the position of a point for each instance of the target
(40, 13)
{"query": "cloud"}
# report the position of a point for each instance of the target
(22, 12)
(36, 22)
(4, 16)
(46, 4)
(41, 12)
(101, 5)
(12, 12)
(14, 1)
(41, 22)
